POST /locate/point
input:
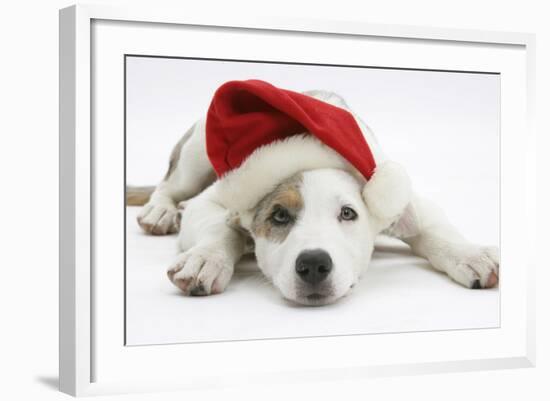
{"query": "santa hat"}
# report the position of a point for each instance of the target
(257, 135)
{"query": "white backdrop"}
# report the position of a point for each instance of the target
(443, 126)
(29, 127)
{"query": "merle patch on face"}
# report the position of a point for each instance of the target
(277, 212)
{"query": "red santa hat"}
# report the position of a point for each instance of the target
(257, 135)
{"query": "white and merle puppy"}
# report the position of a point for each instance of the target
(312, 232)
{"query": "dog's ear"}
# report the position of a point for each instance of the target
(387, 193)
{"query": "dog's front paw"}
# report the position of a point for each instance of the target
(158, 219)
(475, 267)
(201, 272)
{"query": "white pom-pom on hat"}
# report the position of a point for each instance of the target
(388, 192)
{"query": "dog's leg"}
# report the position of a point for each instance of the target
(425, 228)
(189, 172)
(209, 248)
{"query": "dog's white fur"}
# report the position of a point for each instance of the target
(216, 219)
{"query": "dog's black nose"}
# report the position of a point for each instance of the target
(313, 266)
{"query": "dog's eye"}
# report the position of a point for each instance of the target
(347, 213)
(280, 216)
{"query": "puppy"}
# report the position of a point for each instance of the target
(312, 234)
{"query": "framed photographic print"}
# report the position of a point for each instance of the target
(279, 200)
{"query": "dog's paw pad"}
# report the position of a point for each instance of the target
(198, 290)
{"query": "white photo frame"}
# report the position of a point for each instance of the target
(93, 358)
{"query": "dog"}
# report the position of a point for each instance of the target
(312, 234)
